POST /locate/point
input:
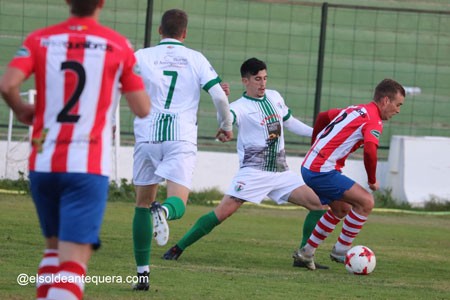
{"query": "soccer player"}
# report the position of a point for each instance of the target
(78, 66)
(166, 140)
(313, 216)
(346, 130)
(261, 116)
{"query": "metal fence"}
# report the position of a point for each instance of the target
(319, 56)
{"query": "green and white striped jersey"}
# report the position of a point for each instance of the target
(173, 76)
(260, 141)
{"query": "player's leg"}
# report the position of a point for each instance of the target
(146, 157)
(329, 186)
(325, 226)
(48, 267)
(81, 208)
(309, 224)
(250, 184)
(173, 208)
(47, 209)
(176, 167)
(361, 202)
(306, 197)
(204, 225)
(177, 197)
(142, 233)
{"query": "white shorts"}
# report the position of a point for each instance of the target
(171, 160)
(254, 185)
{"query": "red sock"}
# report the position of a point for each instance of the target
(69, 284)
(48, 267)
(324, 227)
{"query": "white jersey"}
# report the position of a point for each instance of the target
(173, 76)
(260, 142)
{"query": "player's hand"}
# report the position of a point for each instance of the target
(374, 186)
(26, 114)
(226, 88)
(224, 136)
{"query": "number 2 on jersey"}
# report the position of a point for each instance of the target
(174, 76)
(64, 116)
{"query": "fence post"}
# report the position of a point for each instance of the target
(148, 24)
(321, 56)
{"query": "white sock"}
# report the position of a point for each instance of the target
(142, 269)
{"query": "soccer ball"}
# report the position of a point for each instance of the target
(360, 260)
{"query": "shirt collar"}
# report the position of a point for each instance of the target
(170, 41)
(254, 99)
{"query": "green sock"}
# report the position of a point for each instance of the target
(175, 206)
(202, 227)
(142, 235)
(310, 223)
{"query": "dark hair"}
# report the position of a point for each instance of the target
(252, 66)
(389, 88)
(173, 23)
(83, 8)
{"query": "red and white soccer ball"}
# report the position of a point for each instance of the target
(360, 260)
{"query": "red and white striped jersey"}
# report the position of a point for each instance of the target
(352, 127)
(78, 65)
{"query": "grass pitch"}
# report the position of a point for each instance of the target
(247, 257)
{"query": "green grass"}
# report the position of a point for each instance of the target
(247, 257)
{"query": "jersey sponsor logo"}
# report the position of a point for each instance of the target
(22, 52)
(375, 133)
(172, 61)
(272, 116)
(77, 45)
(239, 186)
(274, 129)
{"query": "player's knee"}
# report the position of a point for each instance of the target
(368, 204)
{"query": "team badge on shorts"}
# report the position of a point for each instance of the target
(239, 186)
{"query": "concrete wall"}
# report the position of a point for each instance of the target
(418, 168)
(214, 169)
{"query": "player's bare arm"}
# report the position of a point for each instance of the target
(10, 90)
(139, 102)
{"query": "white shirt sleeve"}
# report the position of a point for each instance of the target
(296, 126)
(220, 101)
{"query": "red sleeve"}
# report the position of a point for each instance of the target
(370, 161)
(323, 119)
(130, 79)
(24, 57)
